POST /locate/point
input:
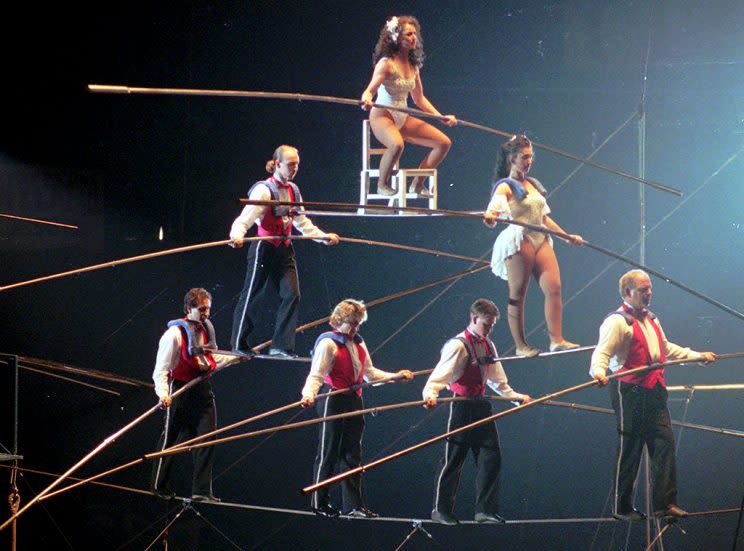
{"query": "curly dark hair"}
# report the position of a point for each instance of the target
(507, 149)
(386, 47)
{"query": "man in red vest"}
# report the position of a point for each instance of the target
(183, 355)
(272, 263)
(341, 360)
(629, 337)
(466, 365)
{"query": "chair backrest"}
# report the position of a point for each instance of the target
(367, 151)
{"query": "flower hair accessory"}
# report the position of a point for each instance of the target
(392, 27)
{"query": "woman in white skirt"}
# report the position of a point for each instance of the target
(520, 253)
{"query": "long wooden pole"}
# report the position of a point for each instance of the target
(116, 89)
(351, 472)
(104, 444)
(183, 446)
(541, 229)
(38, 221)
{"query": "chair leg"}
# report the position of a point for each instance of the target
(363, 190)
(433, 191)
(402, 188)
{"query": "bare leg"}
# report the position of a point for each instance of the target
(384, 129)
(421, 133)
(518, 270)
(548, 275)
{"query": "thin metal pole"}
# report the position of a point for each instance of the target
(641, 173)
(14, 367)
(642, 255)
(15, 497)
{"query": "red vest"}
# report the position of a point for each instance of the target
(271, 223)
(188, 366)
(639, 355)
(472, 382)
(342, 372)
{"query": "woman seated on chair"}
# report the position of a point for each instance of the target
(520, 253)
(397, 58)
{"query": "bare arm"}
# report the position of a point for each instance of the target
(551, 224)
(417, 94)
(381, 72)
(306, 227)
(497, 380)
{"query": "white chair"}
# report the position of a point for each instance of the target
(399, 181)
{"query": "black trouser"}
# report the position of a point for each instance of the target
(339, 447)
(191, 414)
(643, 419)
(275, 267)
(483, 441)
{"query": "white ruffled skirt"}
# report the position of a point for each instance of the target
(508, 243)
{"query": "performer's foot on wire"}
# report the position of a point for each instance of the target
(488, 518)
(248, 353)
(447, 519)
(671, 512)
(282, 353)
(527, 352)
(163, 494)
(360, 512)
(385, 190)
(634, 515)
(563, 345)
(205, 497)
(325, 510)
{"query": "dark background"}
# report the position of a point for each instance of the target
(566, 73)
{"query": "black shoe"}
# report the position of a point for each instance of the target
(634, 515)
(360, 512)
(164, 494)
(488, 518)
(201, 498)
(325, 511)
(282, 353)
(444, 518)
(672, 511)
